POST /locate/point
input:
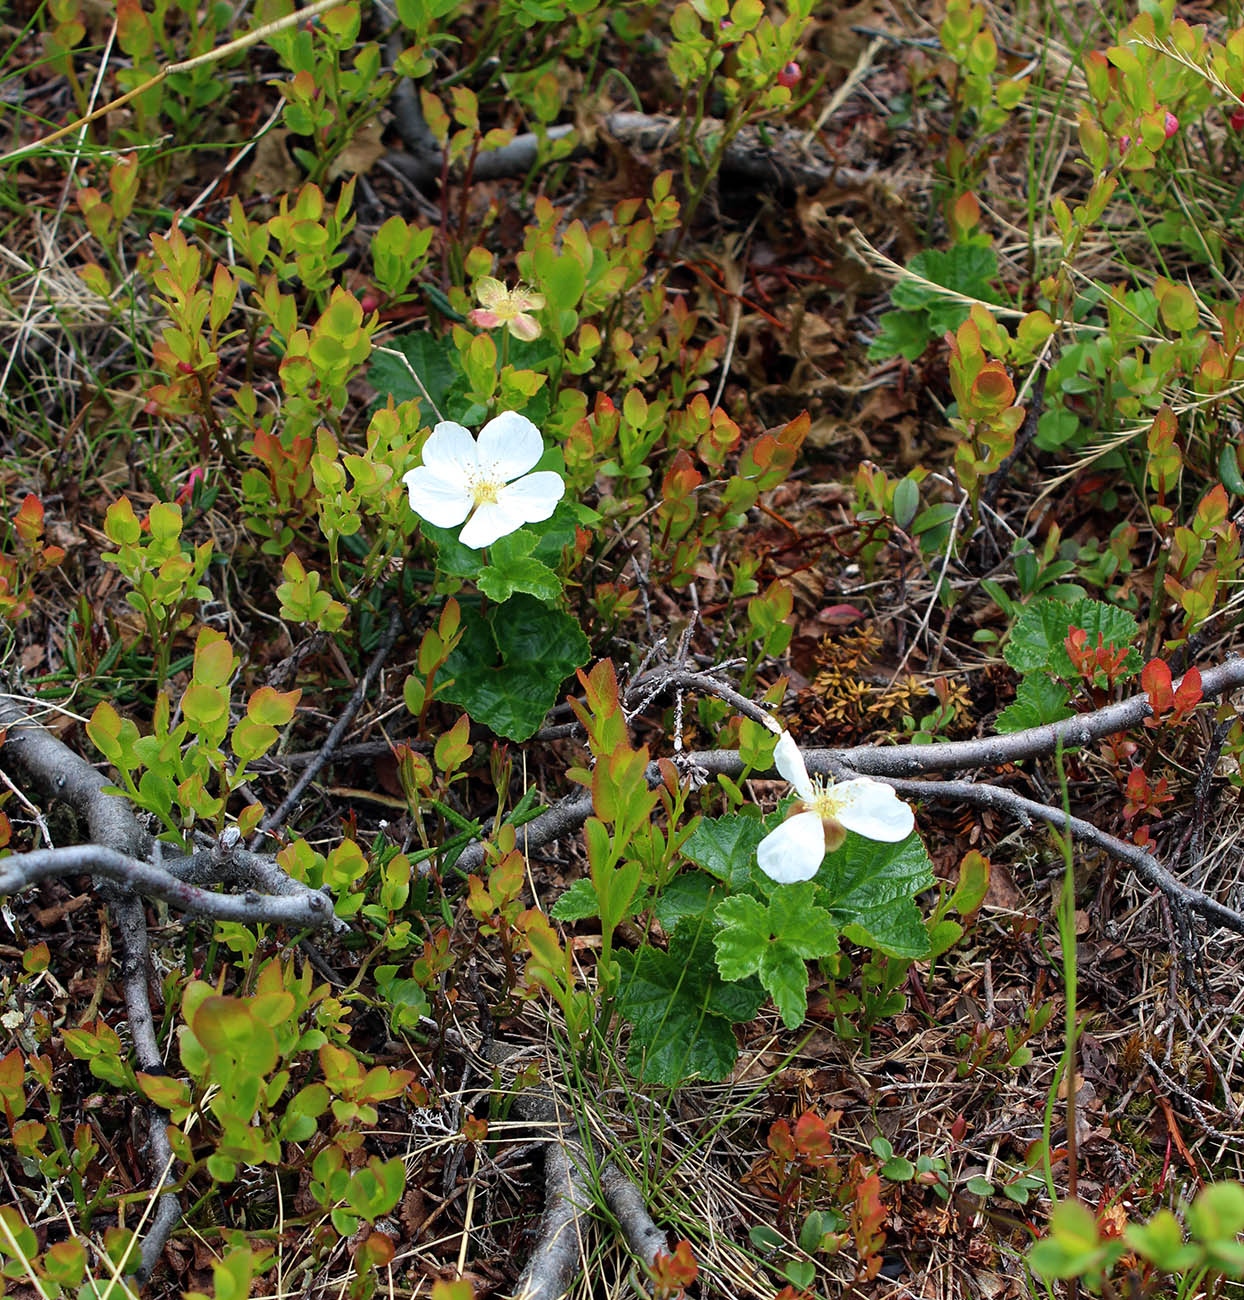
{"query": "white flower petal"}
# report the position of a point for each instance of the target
(789, 761)
(794, 851)
(872, 809)
(490, 521)
(451, 452)
(534, 496)
(509, 445)
(436, 499)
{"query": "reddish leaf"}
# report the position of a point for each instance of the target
(1155, 680)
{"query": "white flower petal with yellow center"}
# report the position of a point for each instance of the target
(486, 480)
(796, 849)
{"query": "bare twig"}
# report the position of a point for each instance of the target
(660, 680)
(340, 727)
(1200, 794)
(779, 157)
(1146, 866)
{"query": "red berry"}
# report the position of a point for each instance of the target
(1237, 120)
(789, 76)
(369, 302)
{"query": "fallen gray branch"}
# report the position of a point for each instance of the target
(134, 980)
(554, 1259)
(62, 774)
(1146, 866)
(226, 862)
(777, 157)
(306, 910)
(568, 1198)
(898, 763)
(120, 856)
(993, 751)
(563, 818)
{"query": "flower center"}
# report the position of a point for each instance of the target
(824, 801)
(484, 491)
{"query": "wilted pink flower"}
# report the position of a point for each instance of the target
(1171, 124)
(197, 476)
(511, 308)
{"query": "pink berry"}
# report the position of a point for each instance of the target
(1171, 125)
(789, 76)
(1237, 120)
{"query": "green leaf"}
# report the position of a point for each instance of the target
(226, 1027)
(726, 847)
(1040, 631)
(1040, 700)
(578, 903)
(507, 670)
(775, 942)
(434, 359)
(680, 1010)
(1073, 1246)
(686, 896)
(529, 576)
(764, 1237)
(1161, 1242)
(1042, 626)
(869, 888)
(1217, 1214)
(965, 268)
(901, 334)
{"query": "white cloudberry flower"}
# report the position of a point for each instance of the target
(487, 480)
(825, 812)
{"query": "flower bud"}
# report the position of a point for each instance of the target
(1171, 124)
